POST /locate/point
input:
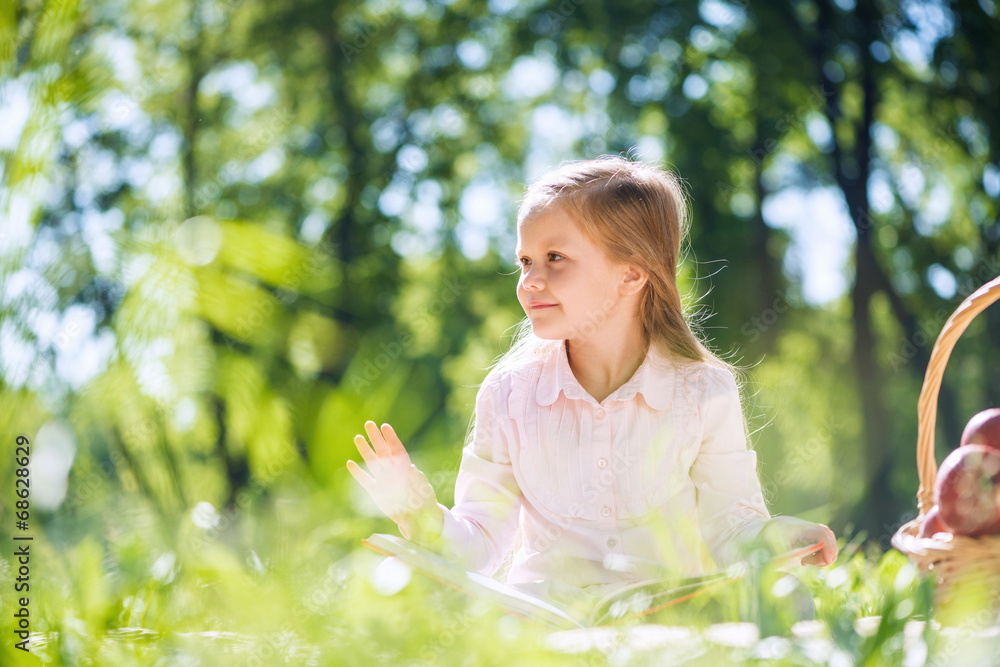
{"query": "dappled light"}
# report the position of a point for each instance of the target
(232, 233)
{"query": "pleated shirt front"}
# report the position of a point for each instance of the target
(657, 474)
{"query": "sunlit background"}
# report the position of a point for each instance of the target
(231, 232)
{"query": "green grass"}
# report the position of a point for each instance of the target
(287, 582)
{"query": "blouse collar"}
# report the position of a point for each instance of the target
(654, 379)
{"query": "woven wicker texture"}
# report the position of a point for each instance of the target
(953, 560)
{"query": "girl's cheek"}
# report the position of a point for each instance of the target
(522, 295)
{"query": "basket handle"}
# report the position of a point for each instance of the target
(973, 304)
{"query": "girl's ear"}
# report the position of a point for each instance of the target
(634, 280)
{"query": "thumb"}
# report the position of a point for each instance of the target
(422, 485)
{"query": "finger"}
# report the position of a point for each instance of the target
(395, 445)
(815, 559)
(829, 552)
(820, 558)
(808, 541)
(826, 555)
(378, 442)
(366, 453)
(364, 479)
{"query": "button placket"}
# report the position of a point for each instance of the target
(603, 436)
(605, 500)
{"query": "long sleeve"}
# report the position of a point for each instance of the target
(481, 527)
(731, 509)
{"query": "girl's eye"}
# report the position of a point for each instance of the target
(553, 256)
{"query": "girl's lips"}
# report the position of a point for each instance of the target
(535, 306)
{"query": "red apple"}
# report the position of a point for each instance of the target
(932, 524)
(967, 491)
(983, 429)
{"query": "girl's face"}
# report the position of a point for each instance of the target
(569, 287)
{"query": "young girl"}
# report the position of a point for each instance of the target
(608, 433)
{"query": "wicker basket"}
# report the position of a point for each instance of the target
(955, 561)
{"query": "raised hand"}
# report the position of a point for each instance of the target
(397, 486)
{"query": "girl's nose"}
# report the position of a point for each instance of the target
(532, 279)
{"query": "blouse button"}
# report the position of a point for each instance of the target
(612, 542)
(602, 463)
(600, 413)
(606, 511)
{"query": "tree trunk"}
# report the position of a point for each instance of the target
(876, 512)
(768, 295)
(190, 120)
(342, 234)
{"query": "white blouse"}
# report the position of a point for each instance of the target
(654, 474)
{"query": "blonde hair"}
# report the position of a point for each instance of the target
(637, 213)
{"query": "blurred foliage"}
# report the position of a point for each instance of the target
(230, 232)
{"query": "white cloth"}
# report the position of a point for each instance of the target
(605, 492)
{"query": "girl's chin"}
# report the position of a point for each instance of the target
(545, 333)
